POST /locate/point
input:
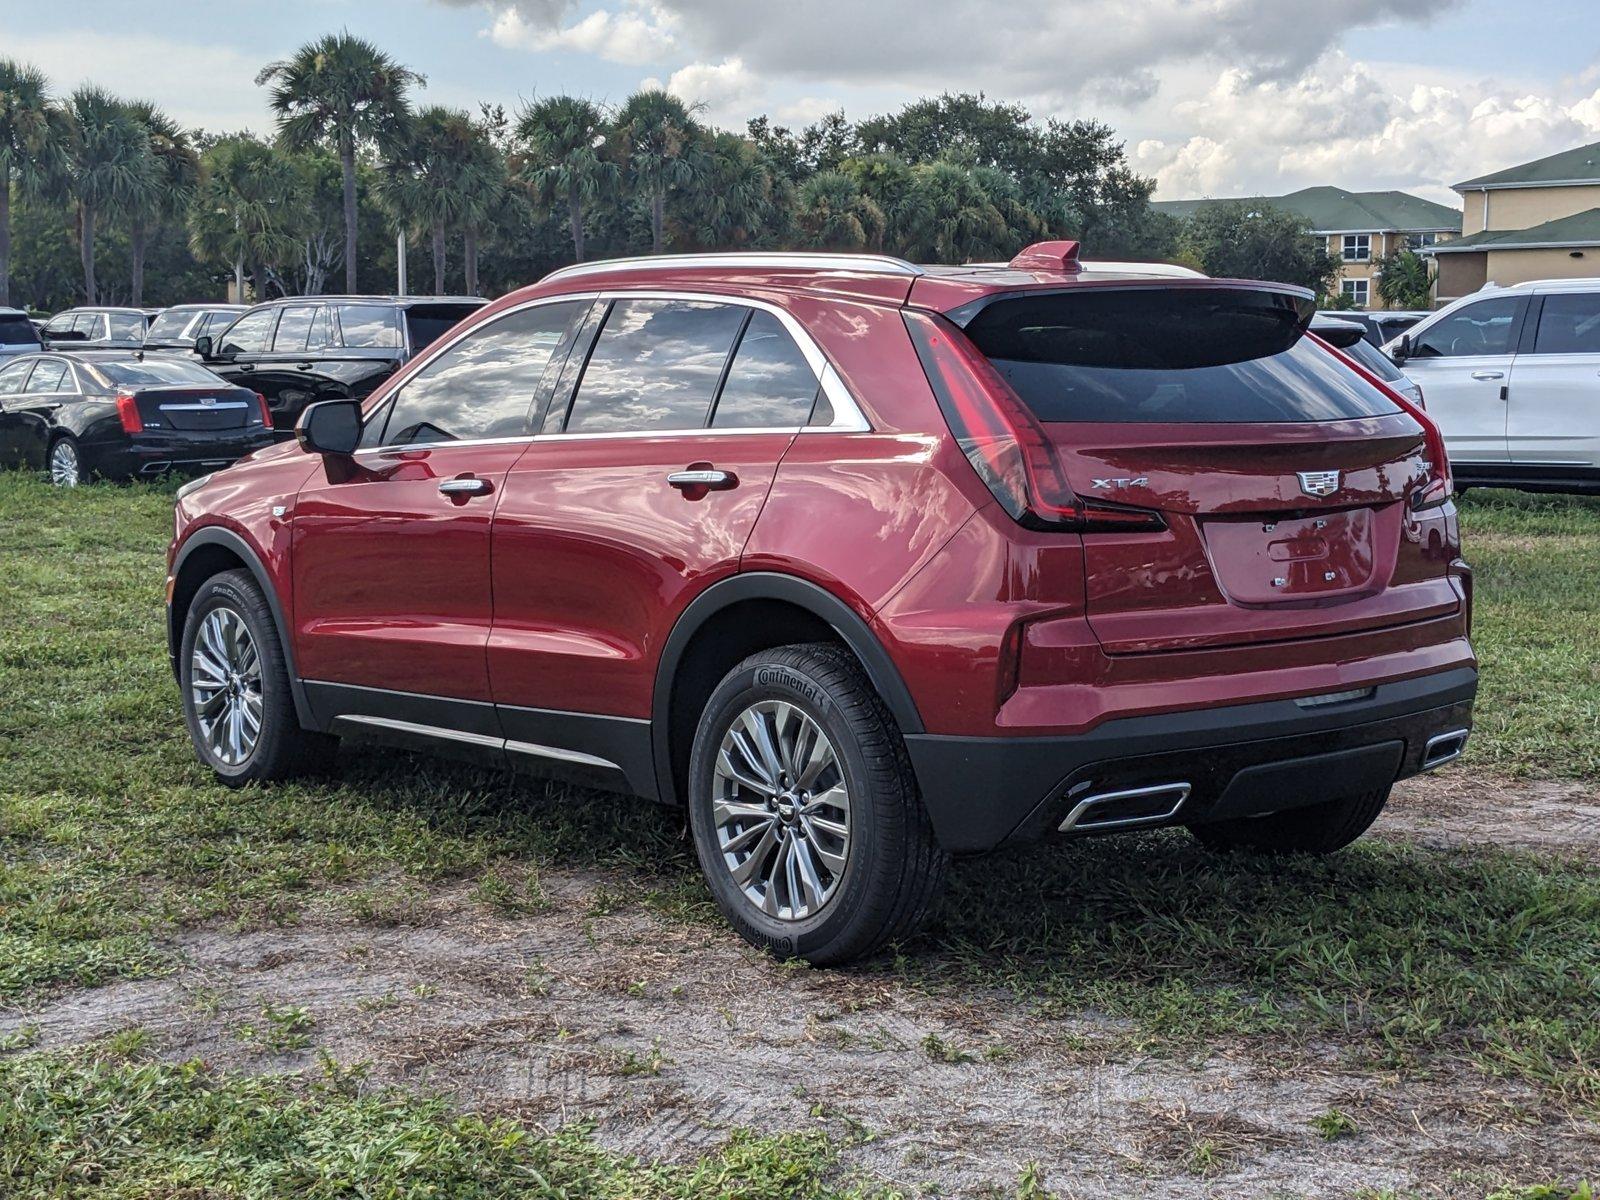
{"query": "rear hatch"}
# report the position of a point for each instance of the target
(1281, 476)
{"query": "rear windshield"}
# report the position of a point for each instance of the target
(428, 322)
(151, 373)
(17, 331)
(1200, 355)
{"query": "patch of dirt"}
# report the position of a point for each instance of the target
(669, 1036)
(1455, 808)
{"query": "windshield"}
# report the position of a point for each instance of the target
(1212, 355)
(155, 373)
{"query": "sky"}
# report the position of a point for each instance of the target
(1213, 97)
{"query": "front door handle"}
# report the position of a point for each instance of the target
(703, 479)
(1488, 374)
(466, 487)
(304, 366)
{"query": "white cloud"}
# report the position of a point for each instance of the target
(726, 91)
(639, 33)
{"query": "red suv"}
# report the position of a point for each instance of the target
(865, 564)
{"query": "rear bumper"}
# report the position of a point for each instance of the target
(147, 455)
(983, 793)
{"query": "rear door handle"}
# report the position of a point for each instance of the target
(304, 366)
(709, 478)
(1488, 374)
(466, 487)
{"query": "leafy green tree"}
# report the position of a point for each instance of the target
(447, 176)
(167, 191)
(888, 181)
(833, 214)
(653, 132)
(342, 92)
(961, 221)
(243, 212)
(734, 199)
(1405, 280)
(32, 148)
(109, 164)
(563, 158)
(1237, 240)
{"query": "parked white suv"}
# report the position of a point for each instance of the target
(1512, 376)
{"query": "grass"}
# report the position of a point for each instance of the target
(112, 836)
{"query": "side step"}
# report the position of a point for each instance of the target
(1133, 806)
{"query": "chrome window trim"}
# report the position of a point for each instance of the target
(847, 414)
(873, 264)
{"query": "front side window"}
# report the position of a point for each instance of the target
(1356, 290)
(1481, 328)
(1569, 324)
(13, 375)
(370, 326)
(293, 327)
(655, 366)
(483, 386)
(91, 325)
(770, 383)
(47, 375)
(1357, 247)
(251, 333)
(61, 323)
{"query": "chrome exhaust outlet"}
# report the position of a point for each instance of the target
(1443, 748)
(1132, 806)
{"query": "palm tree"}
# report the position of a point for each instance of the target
(344, 92)
(244, 206)
(962, 222)
(563, 140)
(1405, 280)
(834, 215)
(110, 167)
(734, 198)
(447, 175)
(653, 131)
(32, 148)
(172, 184)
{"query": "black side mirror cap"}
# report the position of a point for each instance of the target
(330, 427)
(202, 345)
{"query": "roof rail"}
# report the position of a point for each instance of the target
(872, 264)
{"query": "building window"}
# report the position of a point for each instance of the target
(1357, 247)
(1355, 290)
(1416, 241)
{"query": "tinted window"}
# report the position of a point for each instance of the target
(367, 326)
(1376, 361)
(60, 323)
(47, 375)
(319, 337)
(293, 327)
(12, 377)
(169, 326)
(770, 382)
(1569, 324)
(127, 327)
(483, 385)
(154, 372)
(428, 322)
(215, 323)
(1186, 355)
(17, 331)
(1481, 328)
(251, 333)
(91, 325)
(655, 365)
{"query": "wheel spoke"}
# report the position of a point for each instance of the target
(791, 875)
(835, 797)
(727, 770)
(810, 879)
(748, 870)
(755, 724)
(746, 837)
(733, 810)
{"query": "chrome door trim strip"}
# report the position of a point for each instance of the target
(572, 756)
(434, 731)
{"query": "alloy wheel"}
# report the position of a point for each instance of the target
(65, 469)
(225, 686)
(781, 810)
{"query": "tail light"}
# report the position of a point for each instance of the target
(1440, 484)
(128, 414)
(1004, 441)
(266, 413)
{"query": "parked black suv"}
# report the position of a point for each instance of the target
(309, 348)
(177, 327)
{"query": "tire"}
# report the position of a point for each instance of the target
(1316, 829)
(64, 463)
(247, 675)
(869, 887)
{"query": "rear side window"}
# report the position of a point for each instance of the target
(251, 333)
(770, 382)
(128, 327)
(656, 365)
(370, 326)
(483, 386)
(17, 331)
(1200, 355)
(169, 326)
(293, 327)
(47, 375)
(1569, 324)
(427, 323)
(1481, 328)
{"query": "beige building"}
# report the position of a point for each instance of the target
(1360, 229)
(1538, 220)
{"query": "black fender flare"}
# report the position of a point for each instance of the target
(791, 589)
(215, 535)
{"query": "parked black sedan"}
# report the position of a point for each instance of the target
(123, 415)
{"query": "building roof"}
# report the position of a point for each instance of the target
(1580, 229)
(1329, 209)
(1579, 165)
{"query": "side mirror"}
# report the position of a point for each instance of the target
(1402, 350)
(330, 427)
(202, 345)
